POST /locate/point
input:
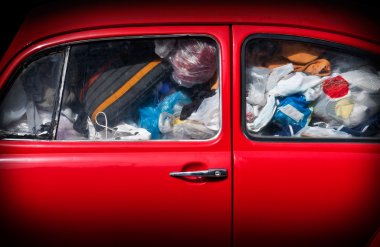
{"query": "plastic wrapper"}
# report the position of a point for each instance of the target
(256, 82)
(202, 124)
(363, 79)
(295, 83)
(292, 114)
(149, 115)
(208, 112)
(320, 132)
(349, 99)
(163, 47)
(277, 74)
(251, 112)
(264, 116)
(194, 62)
(122, 131)
(335, 87)
(190, 129)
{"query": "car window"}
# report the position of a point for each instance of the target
(27, 108)
(309, 89)
(141, 89)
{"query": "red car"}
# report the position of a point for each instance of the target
(191, 125)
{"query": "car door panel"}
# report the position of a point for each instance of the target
(301, 193)
(59, 193)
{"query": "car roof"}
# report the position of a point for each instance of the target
(59, 18)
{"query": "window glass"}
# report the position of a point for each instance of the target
(26, 110)
(309, 90)
(141, 89)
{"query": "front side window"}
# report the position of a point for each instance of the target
(309, 90)
(27, 108)
(141, 89)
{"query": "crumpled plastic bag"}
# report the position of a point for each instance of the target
(256, 82)
(320, 132)
(208, 112)
(187, 129)
(264, 116)
(194, 62)
(277, 74)
(163, 47)
(363, 79)
(122, 131)
(355, 104)
(149, 115)
(292, 114)
(296, 83)
(201, 124)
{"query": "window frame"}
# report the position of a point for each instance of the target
(337, 47)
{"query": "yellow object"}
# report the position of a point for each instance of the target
(343, 108)
(177, 121)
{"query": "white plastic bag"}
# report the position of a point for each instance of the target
(208, 112)
(363, 79)
(256, 83)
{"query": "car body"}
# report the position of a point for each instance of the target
(274, 192)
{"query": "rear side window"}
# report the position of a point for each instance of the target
(305, 89)
(27, 109)
(142, 89)
(123, 89)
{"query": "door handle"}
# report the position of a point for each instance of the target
(210, 173)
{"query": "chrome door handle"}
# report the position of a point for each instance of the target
(210, 173)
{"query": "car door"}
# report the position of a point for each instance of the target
(60, 188)
(306, 173)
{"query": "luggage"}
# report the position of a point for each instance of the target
(117, 90)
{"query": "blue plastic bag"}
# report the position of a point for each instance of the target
(149, 115)
(292, 114)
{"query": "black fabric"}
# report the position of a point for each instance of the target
(197, 94)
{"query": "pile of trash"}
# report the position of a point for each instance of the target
(297, 89)
(171, 94)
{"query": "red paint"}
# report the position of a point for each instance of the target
(335, 87)
(302, 194)
(63, 193)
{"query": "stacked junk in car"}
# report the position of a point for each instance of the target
(294, 89)
(169, 92)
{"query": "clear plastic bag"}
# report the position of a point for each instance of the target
(208, 112)
(190, 129)
(149, 115)
(363, 79)
(316, 131)
(122, 131)
(163, 47)
(194, 62)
